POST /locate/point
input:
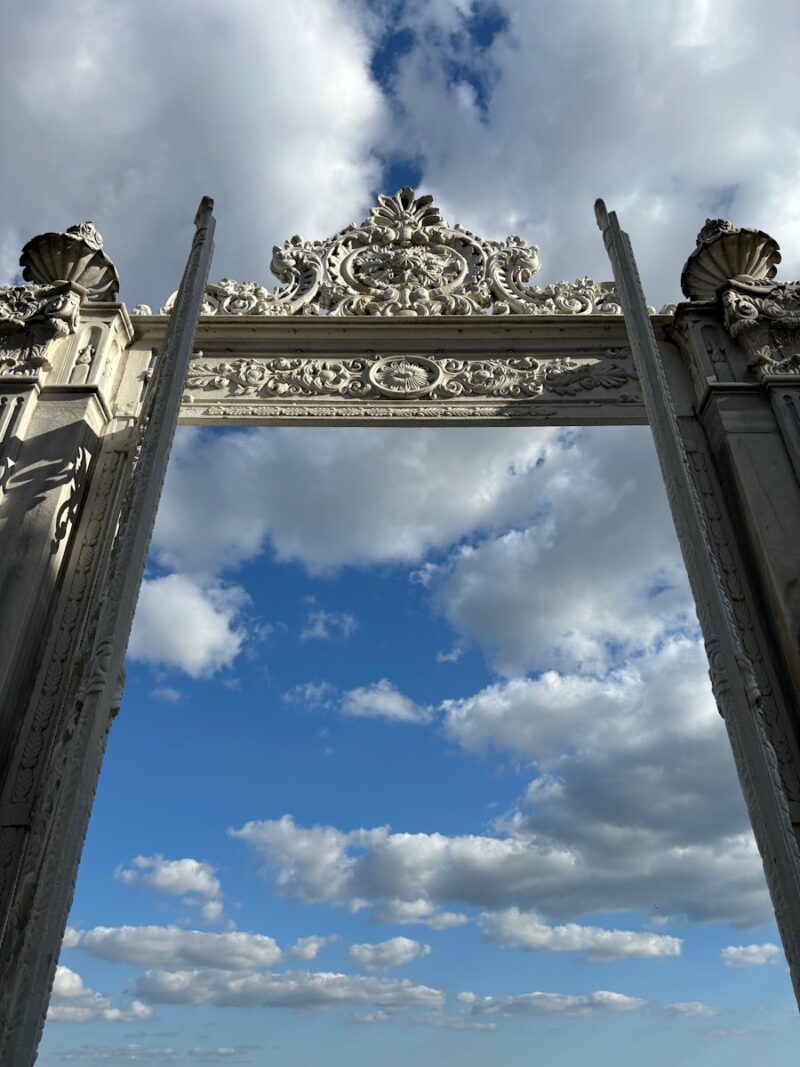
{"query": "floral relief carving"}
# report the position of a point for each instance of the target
(31, 316)
(406, 260)
(765, 318)
(411, 376)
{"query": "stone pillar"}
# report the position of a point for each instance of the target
(727, 459)
(86, 517)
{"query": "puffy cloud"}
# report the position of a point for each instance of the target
(73, 1002)
(413, 490)
(291, 989)
(308, 948)
(383, 701)
(322, 625)
(174, 877)
(751, 955)
(175, 947)
(594, 576)
(418, 912)
(181, 623)
(721, 880)
(212, 80)
(643, 68)
(512, 928)
(386, 955)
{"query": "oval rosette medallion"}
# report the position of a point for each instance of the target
(404, 376)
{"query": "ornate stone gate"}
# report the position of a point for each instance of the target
(402, 320)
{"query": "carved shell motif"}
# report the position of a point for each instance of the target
(74, 256)
(725, 253)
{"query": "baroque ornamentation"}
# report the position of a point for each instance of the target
(765, 318)
(406, 260)
(31, 316)
(404, 377)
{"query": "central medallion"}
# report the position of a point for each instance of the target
(404, 375)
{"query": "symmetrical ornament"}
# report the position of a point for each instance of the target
(74, 256)
(31, 316)
(405, 260)
(406, 377)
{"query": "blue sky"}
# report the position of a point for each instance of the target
(417, 756)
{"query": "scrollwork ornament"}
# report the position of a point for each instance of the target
(406, 260)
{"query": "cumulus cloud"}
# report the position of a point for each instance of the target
(413, 490)
(310, 694)
(173, 946)
(386, 955)
(290, 989)
(563, 879)
(181, 623)
(643, 68)
(174, 877)
(601, 1002)
(418, 912)
(750, 955)
(73, 1002)
(308, 948)
(383, 701)
(212, 81)
(513, 928)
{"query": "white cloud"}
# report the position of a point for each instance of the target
(308, 948)
(594, 576)
(198, 91)
(180, 623)
(291, 989)
(175, 947)
(512, 928)
(750, 955)
(418, 912)
(71, 938)
(383, 701)
(413, 490)
(721, 880)
(73, 1002)
(167, 693)
(174, 877)
(643, 68)
(92, 1055)
(322, 625)
(386, 955)
(212, 911)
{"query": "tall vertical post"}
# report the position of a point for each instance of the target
(747, 673)
(84, 655)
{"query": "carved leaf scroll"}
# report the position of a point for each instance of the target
(405, 260)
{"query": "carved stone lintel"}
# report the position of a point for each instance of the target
(404, 377)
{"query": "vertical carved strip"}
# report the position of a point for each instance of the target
(733, 678)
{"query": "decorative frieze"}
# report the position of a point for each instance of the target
(413, 376)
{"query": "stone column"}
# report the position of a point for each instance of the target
(97, 531)
(732, 486)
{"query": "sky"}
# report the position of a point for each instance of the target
(417, 760)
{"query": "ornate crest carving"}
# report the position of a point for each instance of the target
(406, 260)
(765, 318)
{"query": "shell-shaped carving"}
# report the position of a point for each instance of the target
(723, 253)
(74, 256)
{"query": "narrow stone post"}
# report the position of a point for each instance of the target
(747, 672)
(75, 688)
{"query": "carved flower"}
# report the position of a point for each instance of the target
(403, 376)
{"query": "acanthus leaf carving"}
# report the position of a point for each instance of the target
(403, 377)
(31, 316)
(405, 260)
(765, 318)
